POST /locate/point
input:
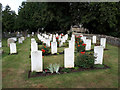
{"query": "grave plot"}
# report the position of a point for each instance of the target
(78, 55)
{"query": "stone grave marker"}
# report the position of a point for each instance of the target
(94, 39)
(53, 47)
(13, 48)
(98, 52)
(34, 46)
(68, 58)
(72, 45)
(88, 44)
(103, 42)
(36, 61)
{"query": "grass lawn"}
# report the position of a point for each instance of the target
(15, 71)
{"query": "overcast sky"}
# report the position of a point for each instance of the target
(14, 4)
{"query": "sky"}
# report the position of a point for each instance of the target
(14, 4)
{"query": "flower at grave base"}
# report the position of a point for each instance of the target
(80, 40)
(82, 52)
(57, 38)
(78, 45)
(44, 46)
(43, 50)
(75, 41)
(83, 44)
(58, 42)
(75, 35)
(45, 70)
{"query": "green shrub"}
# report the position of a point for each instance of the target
(85, 60)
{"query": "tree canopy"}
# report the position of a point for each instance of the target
(97, 17)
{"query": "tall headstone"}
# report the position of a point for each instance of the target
(94, 39)
(68, 58)
(103, 42)
(88, 44)
(13, 48)
(36, 61)
(53, 47)
(98, 52)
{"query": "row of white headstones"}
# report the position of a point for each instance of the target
(36, 55)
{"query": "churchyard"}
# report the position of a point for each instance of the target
(45, 60)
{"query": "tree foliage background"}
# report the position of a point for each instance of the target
(98, 17)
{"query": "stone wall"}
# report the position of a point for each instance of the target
(111, 40)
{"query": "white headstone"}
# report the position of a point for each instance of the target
(20, 40)
(84, 39)
(72, 45)
(53, 47)
(68, 58)
(36, 61)
(88, 44)
(34, 46)
(28, 35)
(0, 44)
(94, 39)
(103, 42)
(33, 40)
(13, 48)
(98, 52)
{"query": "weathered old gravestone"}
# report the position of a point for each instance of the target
(36, 61)
(94, 39)
(34, 46)
(13, 48)
(53, 47)
(10, 41)
(103, 42)
(88, 44)
(68, 58)
(98, 52)
(72, 45)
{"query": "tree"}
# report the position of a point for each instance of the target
(8, 19)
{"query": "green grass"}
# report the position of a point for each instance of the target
(15, 70)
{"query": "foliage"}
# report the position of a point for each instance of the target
(103, 18)
(85, 60)
(66, 70)
(45, 49)
(50, 68)
(79, 44)
(54, 68)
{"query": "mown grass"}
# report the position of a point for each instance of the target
(15, 70)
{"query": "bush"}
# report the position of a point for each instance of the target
(79, 44)
(45, 50)
(85, 60)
